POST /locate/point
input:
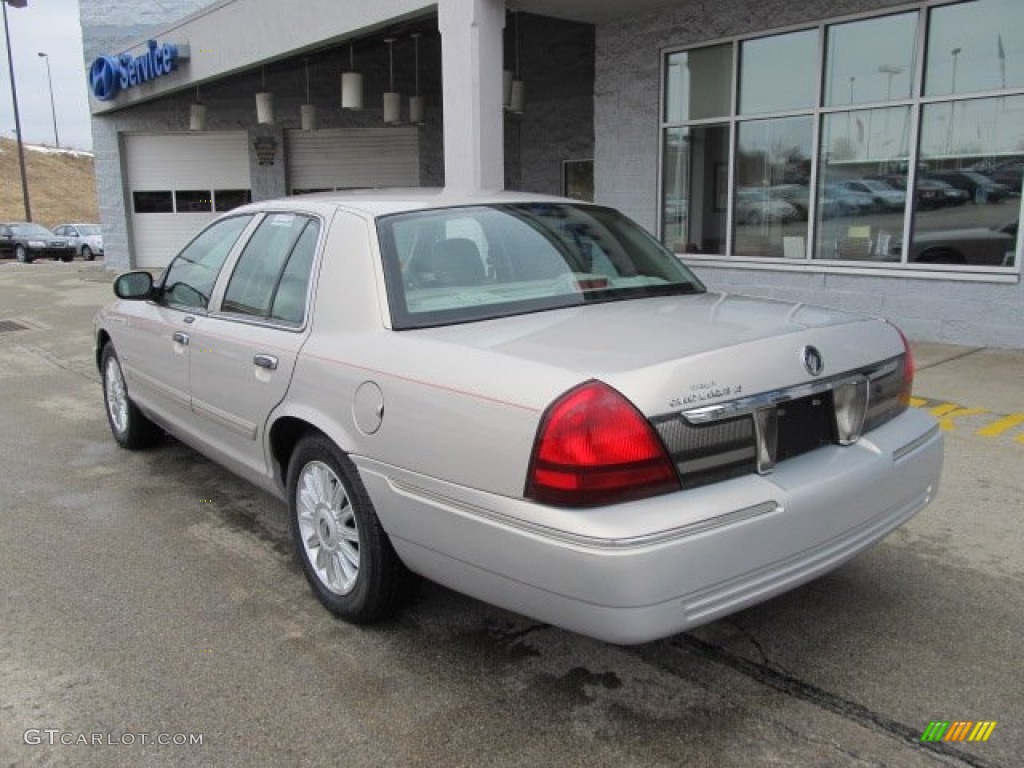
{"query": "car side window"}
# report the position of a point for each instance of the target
(272, 262)
(189, 279)
(290, 299)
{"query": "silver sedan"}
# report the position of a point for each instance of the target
(527, 399)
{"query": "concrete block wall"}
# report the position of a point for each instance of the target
(627, 127)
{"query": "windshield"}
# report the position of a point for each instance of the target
(31, 229)
(457, 265)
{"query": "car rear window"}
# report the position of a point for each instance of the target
(471, 263)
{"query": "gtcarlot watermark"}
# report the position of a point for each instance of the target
(56, 737)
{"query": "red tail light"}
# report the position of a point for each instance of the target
(594, 447)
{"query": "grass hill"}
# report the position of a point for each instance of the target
(61, 185)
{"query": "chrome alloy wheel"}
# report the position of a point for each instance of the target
(117, 398)
(327, 527)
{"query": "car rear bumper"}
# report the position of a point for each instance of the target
(698, 554)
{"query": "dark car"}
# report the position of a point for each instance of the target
(27, 242)
(980, 187)
(1009, 174)
(929, 194)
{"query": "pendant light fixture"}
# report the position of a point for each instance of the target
(392, 99)
(351, 83)
(518, 87)
(416, 103)
(265, 103)
(307, 111)
(197, 114)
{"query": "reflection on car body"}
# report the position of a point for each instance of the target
(527, 399)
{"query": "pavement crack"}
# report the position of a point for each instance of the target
(59, 362)
(845, 708)
(952, 359)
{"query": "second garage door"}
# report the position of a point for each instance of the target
(351, 158)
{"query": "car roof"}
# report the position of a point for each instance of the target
(382, 202)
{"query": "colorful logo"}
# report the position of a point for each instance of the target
(958, 730)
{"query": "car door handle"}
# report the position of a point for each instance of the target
(265, 361)
(181, 338)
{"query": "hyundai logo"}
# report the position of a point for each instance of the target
(104, 76)
(813, 361)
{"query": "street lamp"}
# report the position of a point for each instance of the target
(14, 101)
(53, 108)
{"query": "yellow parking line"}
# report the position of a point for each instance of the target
(949, 411)
(992, 424)
(1002, 425)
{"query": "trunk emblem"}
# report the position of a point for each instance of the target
(813, 361)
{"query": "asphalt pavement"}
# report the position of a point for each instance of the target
(152, 612)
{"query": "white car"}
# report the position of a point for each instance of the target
(87, 239)
(527, 399)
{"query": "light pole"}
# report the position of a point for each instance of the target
(53, 108)
(14, 101)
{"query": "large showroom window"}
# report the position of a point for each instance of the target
(894, 141)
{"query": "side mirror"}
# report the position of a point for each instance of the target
(134, 285)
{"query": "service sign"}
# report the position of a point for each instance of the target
(109, 75)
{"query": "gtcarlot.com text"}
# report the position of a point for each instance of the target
(57, 737)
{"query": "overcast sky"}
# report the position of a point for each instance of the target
(50, 26)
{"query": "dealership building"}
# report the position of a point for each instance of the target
(862, 154)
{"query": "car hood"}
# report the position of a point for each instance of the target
(662, 352)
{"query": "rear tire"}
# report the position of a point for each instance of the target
(87, 253)
(129, 426)
(21, 254)
(342, 547)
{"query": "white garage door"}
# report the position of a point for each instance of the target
(179, 182)
(347, 158)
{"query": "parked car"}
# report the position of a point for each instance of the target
(930, 194)
(974, 246)
(978, 187)
(26, 242)
(885, 198)
(850, 202)
(756, 205)
(798, 195)
(86, 238)
(1010, 174)
(527, 399)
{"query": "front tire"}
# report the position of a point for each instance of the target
(129, 426)
(342, 547)
(21, 254)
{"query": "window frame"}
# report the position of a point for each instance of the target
(243, 237)
(915, 102)
(216, 309)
